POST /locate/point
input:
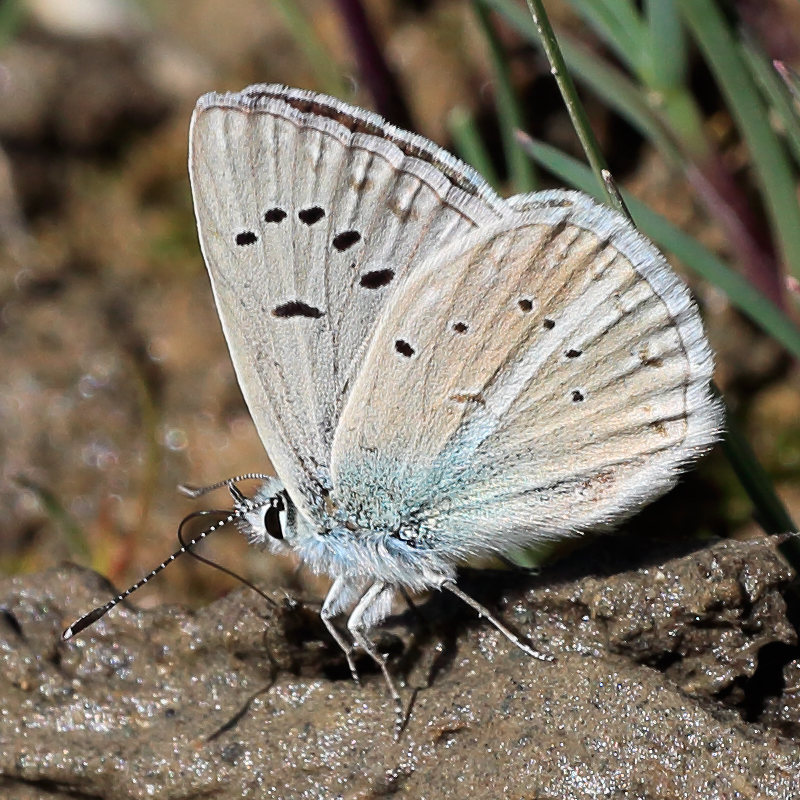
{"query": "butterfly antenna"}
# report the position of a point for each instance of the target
(92, 617)
(199, 491)
(187, 547)
(238, 496)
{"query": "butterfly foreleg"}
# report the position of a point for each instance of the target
(339, 596)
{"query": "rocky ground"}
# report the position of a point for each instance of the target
(664, 685)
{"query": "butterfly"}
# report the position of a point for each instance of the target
(436, 373)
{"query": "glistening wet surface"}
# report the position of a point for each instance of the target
(242, 700)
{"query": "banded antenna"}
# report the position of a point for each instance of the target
(242, 503)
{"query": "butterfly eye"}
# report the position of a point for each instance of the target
(272, 518)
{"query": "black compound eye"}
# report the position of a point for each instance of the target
(272, 518)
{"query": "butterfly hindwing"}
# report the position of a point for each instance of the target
(547, 376)
(310, 213)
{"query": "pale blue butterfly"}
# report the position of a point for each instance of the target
(436, 373)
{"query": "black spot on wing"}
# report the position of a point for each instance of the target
(344, 241)
(548, 324)
(377, 278)
(525, 305)
(573, 353)
(577, 396)
(311, 215)
(275, 215)
(246, 237)
(404, 348)
(296, 308)
(460, 327)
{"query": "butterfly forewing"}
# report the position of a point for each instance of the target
(310, 213)
(546, 377)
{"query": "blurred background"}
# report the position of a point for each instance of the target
(115, 383)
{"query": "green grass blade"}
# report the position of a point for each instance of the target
(663, 62)
(12, 16)
(772, 514)
(663, 115)
(470, 146)
(663, 72)
(772, 166)
(605, 80)
(577, 114)
(326, 72)
(509, 113)
(618, 23)
(73, 533)
(620, 94)
(775, 91)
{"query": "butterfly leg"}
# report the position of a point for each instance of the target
(371, 609)
(339, 596)
(486, 614)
